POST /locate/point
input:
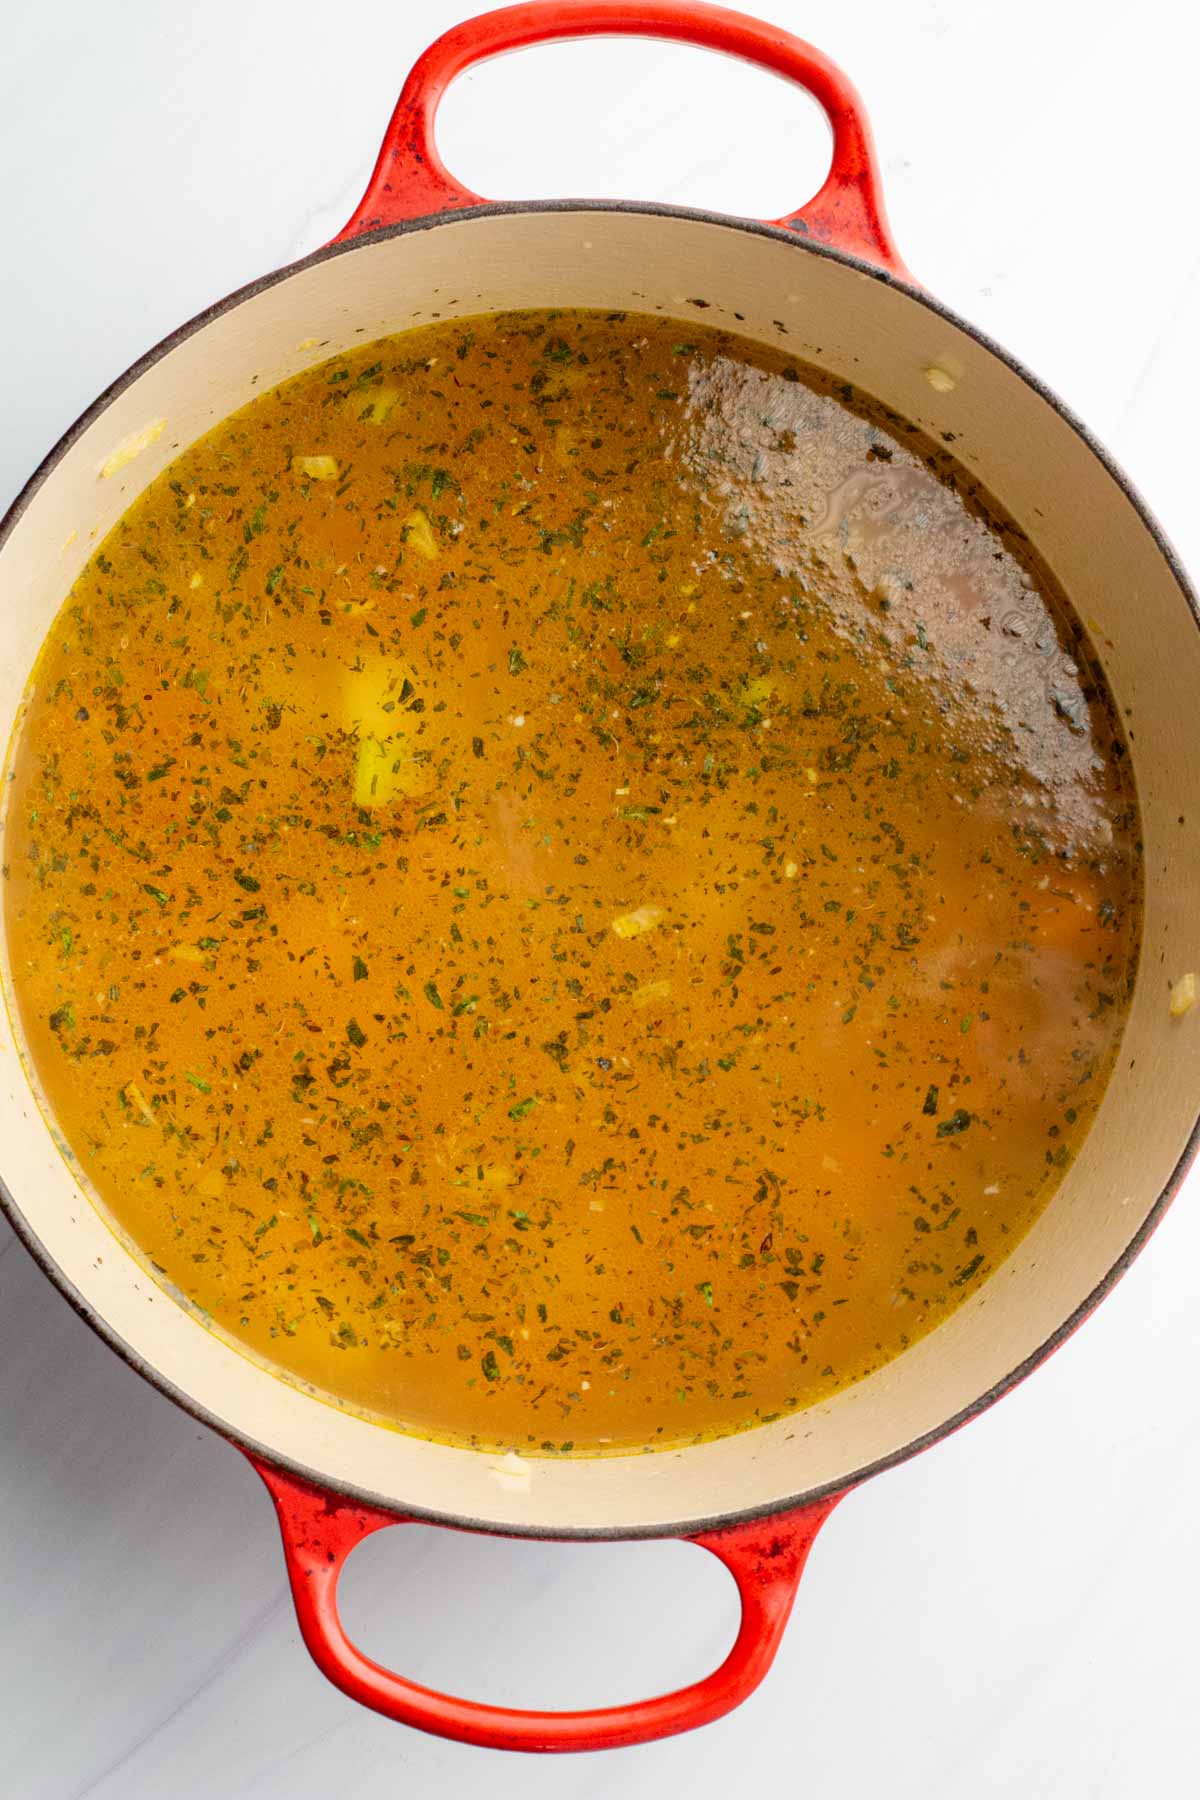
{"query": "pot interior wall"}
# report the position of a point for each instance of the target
(1045, 474)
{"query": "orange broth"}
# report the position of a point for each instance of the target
(570, 882)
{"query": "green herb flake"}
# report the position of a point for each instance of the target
(957, 1122)
(966, 1272)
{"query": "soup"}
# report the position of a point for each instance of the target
(569, 882)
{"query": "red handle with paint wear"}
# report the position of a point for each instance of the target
(410, 180)
(766, 1558)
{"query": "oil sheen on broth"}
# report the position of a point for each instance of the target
(570, 882)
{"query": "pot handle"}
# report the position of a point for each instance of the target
(410, 180)
(766, 1558)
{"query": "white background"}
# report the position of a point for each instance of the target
(1014, 1613)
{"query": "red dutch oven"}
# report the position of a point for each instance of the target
(827, 277)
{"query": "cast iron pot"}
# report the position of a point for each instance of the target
(827, 281)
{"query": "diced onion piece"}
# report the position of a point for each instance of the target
(376, 408)
(385, 768)
(374, 773)
(132, 446)
(755, 690)
(499, 1175)
(512, 1473)
(316, 468)
(418, 534)
(373, 698)
(632, 924)
(651, 993)
(138, 1101)
(1183, 995)
(374, 693)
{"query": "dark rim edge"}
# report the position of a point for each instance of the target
(366, 1497)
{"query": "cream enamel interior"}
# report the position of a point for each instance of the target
(1044, 474)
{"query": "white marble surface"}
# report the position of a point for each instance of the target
(1010, 1615)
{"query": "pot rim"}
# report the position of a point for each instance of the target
(92, 1317)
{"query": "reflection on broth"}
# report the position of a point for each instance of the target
(570, 881)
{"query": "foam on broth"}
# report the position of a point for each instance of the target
(570, 882)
